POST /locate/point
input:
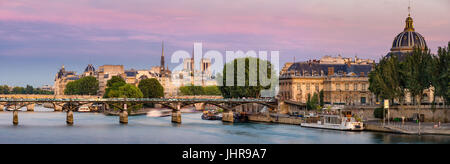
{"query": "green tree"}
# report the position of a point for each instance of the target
(71, 88)
(4, 89)
(418, 73)
(185, 90)
(387, 79)
(113, 84)
(192, 90)
(248, 89)
(211, 90)
(88, 86)
(321, 98)
(440, 74)
(29, 89)
(18, 90)
(151, 88)
(85, 86)
(115, 79)
(126, 91)
(313, 102)
(199, 90)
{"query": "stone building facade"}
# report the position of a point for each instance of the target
(342, 80)
(63, 77)
(106, 72)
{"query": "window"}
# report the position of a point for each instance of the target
(307, 86)
(298, 86)
(338, 86)
(355, 87)
(346, 86)
(363, 88)
(363, 100)
(330, 71)
(317, 87)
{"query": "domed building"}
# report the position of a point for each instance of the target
(407, 40)
(89, 71)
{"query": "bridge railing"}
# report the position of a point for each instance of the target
(266, 100)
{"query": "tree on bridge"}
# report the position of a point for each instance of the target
(85, 86)
(151, 88)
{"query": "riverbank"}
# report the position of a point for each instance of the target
(274, 118)
(144, 111)
(409, 128)
(375, 126)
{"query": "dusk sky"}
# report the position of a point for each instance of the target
(38, 36)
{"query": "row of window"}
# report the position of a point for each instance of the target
(347, 87)
(338, 86)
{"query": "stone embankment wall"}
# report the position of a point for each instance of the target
(274, 119)
(431, 115)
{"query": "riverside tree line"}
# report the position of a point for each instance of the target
(394, 77)
(4, 89)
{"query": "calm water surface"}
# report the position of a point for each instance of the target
(50, 127)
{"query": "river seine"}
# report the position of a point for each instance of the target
(43, 126)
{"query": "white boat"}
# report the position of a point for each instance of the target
(335, 122)
(84, 108)
(159, 113)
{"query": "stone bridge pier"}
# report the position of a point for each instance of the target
(228, 116)
(30, 107)
(176, 114)
(15, 117)
(123, 115)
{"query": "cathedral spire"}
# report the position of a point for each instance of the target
(162, 57)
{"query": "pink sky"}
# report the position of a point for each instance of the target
(330, 27)
(306, 29)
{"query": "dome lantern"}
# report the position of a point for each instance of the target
(409, 24)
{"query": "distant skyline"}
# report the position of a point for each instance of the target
(38, 37)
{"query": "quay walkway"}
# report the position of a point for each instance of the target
(426, 128)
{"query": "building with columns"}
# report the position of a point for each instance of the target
(342, 80)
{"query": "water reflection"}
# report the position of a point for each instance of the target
(43, 126)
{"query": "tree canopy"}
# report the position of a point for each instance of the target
(386, 80)
(151, 88)
(85, 86)
(119, 89)
(249, 88)
(440, 71)
(419, 70)
(199, 90)
(4, 89)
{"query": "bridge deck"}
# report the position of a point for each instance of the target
(142, 100)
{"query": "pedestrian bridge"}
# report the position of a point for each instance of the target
(70, 103)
